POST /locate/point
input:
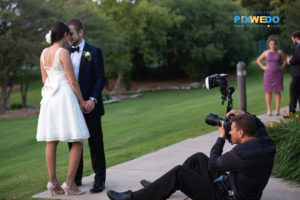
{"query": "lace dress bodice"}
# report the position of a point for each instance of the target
(56, 71)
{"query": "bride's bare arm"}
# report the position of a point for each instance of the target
(43, 72)
(65, 59)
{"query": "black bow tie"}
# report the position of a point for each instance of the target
(73, 49)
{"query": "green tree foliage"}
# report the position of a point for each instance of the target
(183, 37)
(20, 35)
(100, 30)
(144, 25)
(267, 5)
(206, 42)
(290, 25)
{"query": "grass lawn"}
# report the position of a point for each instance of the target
(131, 128)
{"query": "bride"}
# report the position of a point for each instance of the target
(62, 104)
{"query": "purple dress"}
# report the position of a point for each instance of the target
(273, 76)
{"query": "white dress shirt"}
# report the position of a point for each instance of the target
(76, 57)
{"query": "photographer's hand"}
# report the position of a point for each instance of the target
(222, 131)
(235, 112)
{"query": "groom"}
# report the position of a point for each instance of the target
(88, 66)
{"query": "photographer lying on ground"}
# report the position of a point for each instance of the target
(249, 165)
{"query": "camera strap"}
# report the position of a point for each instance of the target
(222, 183)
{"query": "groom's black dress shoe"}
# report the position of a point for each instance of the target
(145, 183)
(113, 195)
(98, 186)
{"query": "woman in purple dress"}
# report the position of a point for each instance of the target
(273, 75)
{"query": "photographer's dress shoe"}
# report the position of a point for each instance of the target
(98, 186)
(113, 195)
(145, 183)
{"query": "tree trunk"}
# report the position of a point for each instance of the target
(3, 102)
(24, 89)
(3, 106)
(7, 86)
(118, 84)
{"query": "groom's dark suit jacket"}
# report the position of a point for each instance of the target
(295, 62)
(91, 77)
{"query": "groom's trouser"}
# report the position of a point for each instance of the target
(193, 178)
(294, 94)
(96, 150)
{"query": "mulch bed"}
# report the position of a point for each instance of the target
(23, 112)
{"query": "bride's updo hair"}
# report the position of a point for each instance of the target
(58, 30)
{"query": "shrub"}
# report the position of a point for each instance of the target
(286, 135)
(16, 106)
(106, 96)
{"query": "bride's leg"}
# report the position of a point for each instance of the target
(51, 160)
(75, 155)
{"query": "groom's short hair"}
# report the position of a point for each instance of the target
(76, 23)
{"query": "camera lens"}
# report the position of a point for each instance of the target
(213, 120)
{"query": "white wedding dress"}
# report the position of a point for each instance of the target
(60, 118)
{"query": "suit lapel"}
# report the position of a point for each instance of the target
(82, 63)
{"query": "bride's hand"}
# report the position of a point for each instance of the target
(82, 106)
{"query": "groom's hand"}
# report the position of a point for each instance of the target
(89, 106)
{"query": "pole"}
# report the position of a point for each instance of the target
(241, 81)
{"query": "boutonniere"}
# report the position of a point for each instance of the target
(87, 55)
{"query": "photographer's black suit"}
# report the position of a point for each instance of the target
(249, 165)
(295, 83)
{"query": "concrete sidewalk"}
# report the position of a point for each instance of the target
(127, 175)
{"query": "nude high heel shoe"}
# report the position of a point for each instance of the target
(52, 188)
(68, 189)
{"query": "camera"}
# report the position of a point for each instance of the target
(219, 80)
(215, 120)
(215, 80)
